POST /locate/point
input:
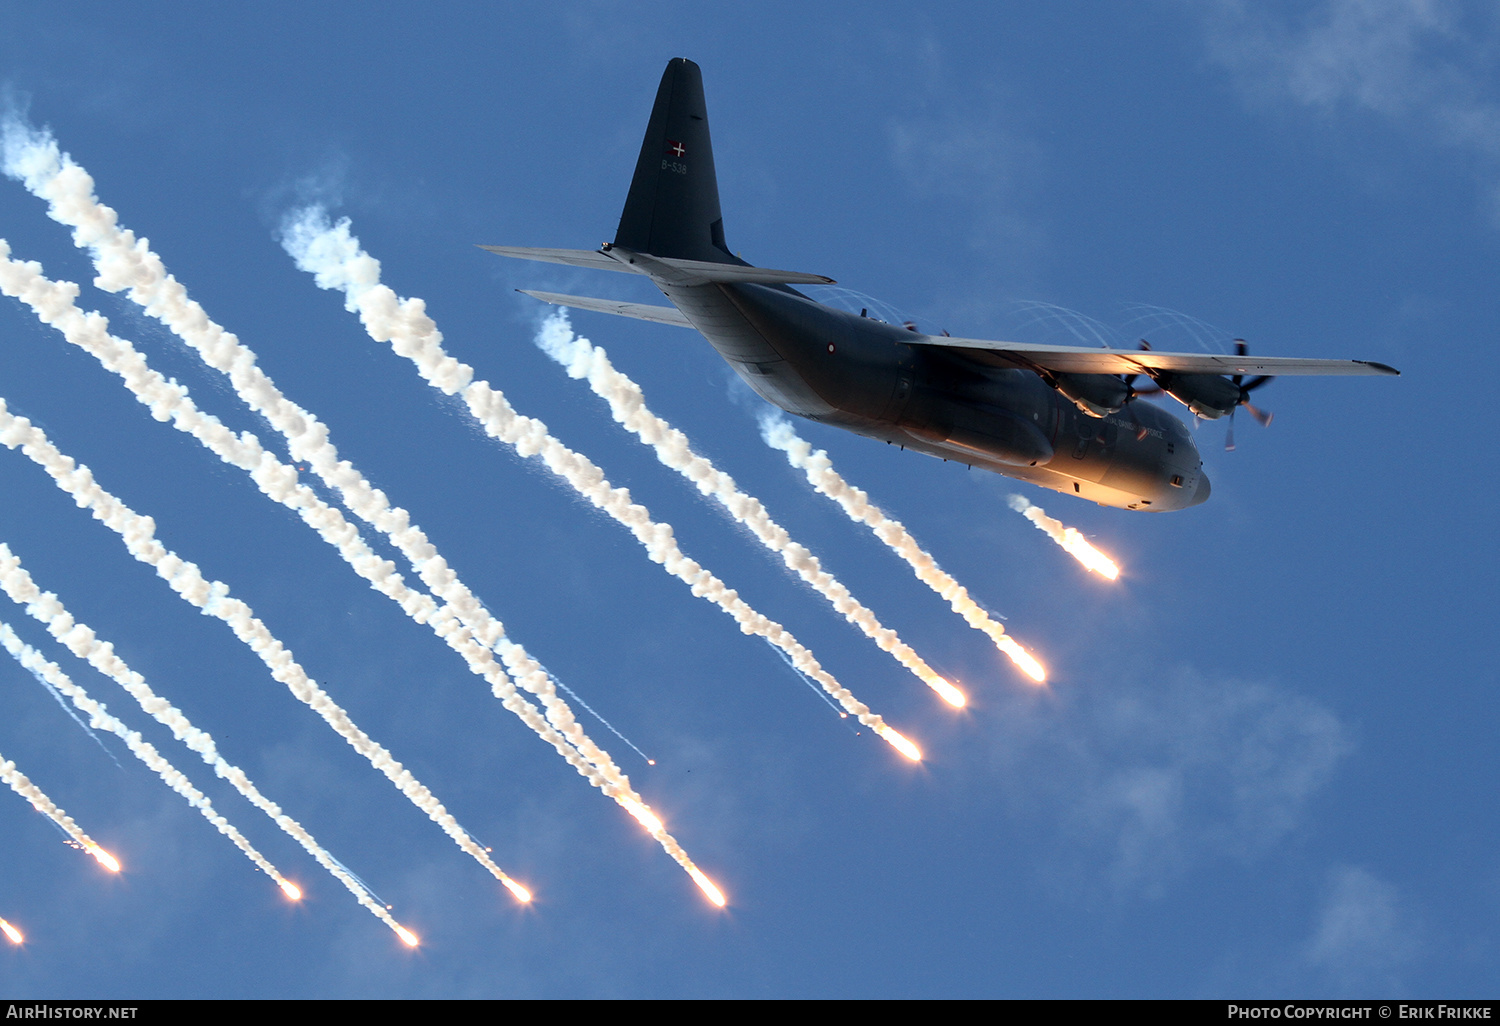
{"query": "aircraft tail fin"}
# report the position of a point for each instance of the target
(673, 206)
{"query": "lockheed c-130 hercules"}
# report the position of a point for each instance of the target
(1062, 417)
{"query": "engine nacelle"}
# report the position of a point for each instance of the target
(1210, 396)
(1097, 395)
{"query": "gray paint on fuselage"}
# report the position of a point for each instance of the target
(856, 373)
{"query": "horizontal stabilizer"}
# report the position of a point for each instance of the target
(1076, 360)
(640, 311)
(577, 257)
(669, 270)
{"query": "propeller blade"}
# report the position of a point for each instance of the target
(1262, 417)
(1256, 382)
(1229, 436)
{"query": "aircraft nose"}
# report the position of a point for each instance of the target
(1200, 494)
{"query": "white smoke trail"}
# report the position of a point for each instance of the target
(334, 257)
(41, 803)
(779, 434)
(185, 578)
(72, 712)
(143, 750)
(78, 638)
(582, 359)
(125, 262)
(1070, 538)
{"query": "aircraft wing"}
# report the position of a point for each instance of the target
(671, 270)
(640, 311)
(1077, 360)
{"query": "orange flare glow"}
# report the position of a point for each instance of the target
(707, 886)
(521, 893)
(1074, 543)
(1024, 659)
(16, 938)
(105, 859)
(641, 813)
(949, 693)
(407, 936)
(901, 744)
(1079, 548)
(292, 890)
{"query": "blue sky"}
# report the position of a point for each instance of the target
(1265, 761)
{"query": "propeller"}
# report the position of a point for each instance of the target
(1262, 417)
(1243, 387)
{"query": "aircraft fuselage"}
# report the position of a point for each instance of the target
(856, 373)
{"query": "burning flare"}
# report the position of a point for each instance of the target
(292, 890)
(778, 434)
(653, 825)
(11, 932)
(1025, 660)
(1069, 538)
(41, 803)
(949, 693)
(407, 936)
(714, 894)
(646, 817)
(103, 857)
(900, 743)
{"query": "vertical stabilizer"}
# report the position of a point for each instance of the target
(673, 206)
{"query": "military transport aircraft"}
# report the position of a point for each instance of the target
(1061, 417)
